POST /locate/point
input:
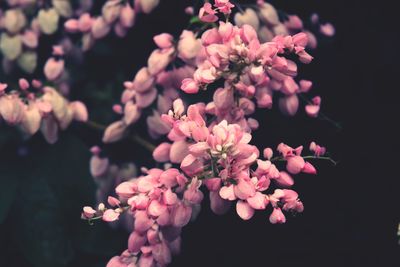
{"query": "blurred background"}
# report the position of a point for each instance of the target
(351, 212)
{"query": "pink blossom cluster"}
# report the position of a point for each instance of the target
(252, 73)
(22, 23)
(33, 107)
(142, 92)
(118, 16)
(209, 142)
(218, 156)
(265, 20)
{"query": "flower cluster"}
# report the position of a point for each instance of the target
(118, 16)
(207, 145)
(217, 156)
(23, 22)
(247, 61)
(35, 107)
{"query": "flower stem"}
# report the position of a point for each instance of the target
(275, 159)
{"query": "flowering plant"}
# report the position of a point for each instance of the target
(197, 96)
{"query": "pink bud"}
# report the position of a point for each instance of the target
(159, 60)
(114, 132)
(309, 168)
(155, 208)
(142, 221)
(277, 216)
(179, 150)
(85, 23)
(30, 39)
(268, 153)
(213, 184)
(189, 10)
(100, 28)
(71, 25)
(88, 212)
(136, 241)
(244, 210)
(161, 153)
(146, 6)
(12, 109)
(110, 215)
(53, 68)
(257, 201)
(312, 110)
(127, 16)
(284, 179)
(117, 108)
(244, 188)
(125, 190)
(295, 164)
(327, 29)
(79, 110)
(189, 86)
(289, 105)
(23, 84)
(163, 40)
(305, 86)
(226, 192)
(131, 113)
(143, 100)
(169, 197)
(113, 201)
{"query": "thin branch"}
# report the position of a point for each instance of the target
(275, 159)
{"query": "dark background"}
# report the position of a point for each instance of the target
(351, 210)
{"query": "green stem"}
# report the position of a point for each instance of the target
(275, 159)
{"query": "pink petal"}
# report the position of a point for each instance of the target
(244, 210)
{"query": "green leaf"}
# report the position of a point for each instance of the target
(195, 19)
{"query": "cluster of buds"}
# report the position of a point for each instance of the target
(116, 15)
(33, 107)
(207, 145)
(23, 22)
(217, 156)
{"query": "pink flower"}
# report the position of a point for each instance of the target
(277, 216)
(317, 149)
(88, 212)
(162, 151)
(12, 109)
(244, 210)
(163, 40)
(207, 14)
(110, 215)
(224, 6)
(190, 86)
(312, 110)
(327, 29)
(188, 46)
(289, 105)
